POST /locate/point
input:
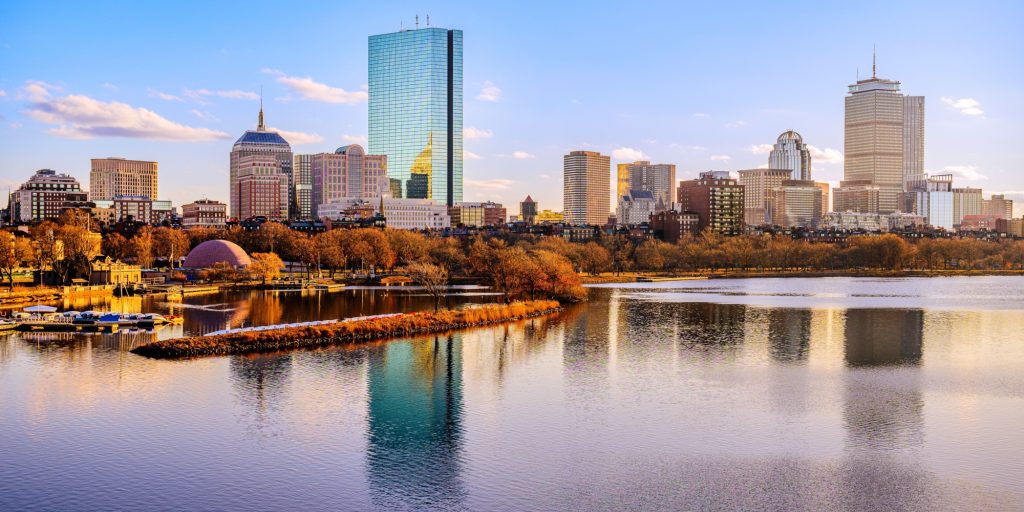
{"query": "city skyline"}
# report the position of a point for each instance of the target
(204, 91)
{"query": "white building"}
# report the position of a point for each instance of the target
(932, 198)
(399, 213)
(867, 221)
(791, 153)
(636, 207)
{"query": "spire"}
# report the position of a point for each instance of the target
(874, 73)
(260, 126)
(382, 205)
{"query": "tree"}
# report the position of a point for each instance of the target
(594, 258)
(116, 246)
(334, 248)
(371, 248)
(45, 246)
(13, 251)
(142, 247)
(561, 280)
(649, 255)
(78, 246)
(265, 266)
(448, 254)
(408, 246)
(433, 278)
(170, 243)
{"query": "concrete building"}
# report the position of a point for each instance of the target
(658, 179)
(791, 153)
(268, 145)
(757, 187)
(1012, 227)
(348, 172)
(586, 176)
(398, 213)
(826, 197)
(998, 206)
(261, 189)
(111, 177)
(302, 172)
(859, 196)
(635, 208)
(133, 208)
(931, 197)
(884, 140)
(717, 199)
(979, 223)
(866, 221)
(796, 203)
(477, 214)
(528, 210)
(672, 225)
(415, 111)
(204, 213)
(45, 195)
(966, 201)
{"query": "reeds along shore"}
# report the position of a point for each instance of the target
(345, 332)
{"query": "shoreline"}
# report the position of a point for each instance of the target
(346, 333)
(655, 277)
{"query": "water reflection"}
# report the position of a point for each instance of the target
(259, 382)
(789, 334)
(878, 337)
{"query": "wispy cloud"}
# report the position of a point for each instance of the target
(736, 124)
(298, 138)
(153, 93)
(204, 115)
(761, 149)
(630, 154)
(721, 158)
(494, 184)
(3, 93)
(472, 133)
(826, 155)
(81, 117)
(490, 92)
(311, 90)
(233, 94)
(701, 114)
(469, 155)
(354, 139)
(37, 90)
(108, 85)
(966, 106)
(964, 172)
(522, 155)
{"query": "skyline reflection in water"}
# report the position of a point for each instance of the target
(621, 403)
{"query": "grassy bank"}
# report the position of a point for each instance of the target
(631, 277)
(346, 332)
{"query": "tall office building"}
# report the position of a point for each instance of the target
(757, 193)
(791, 153)
(717, 198)
(997, 206)
(111, 177)
(932, 198)
(826, 205)
(966, 201)
(658, 179)
(415, 79)
(302, 171)
(260, 142)
(348, 172)
(262, 189)
(586, 176)
(45, 195)
(884, 139)
(796, 204)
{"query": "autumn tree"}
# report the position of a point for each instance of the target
(265, 266)
(116, 246)
(45, 246)
(170, 243)
(433, 279)
(649, 255)
(334, 248)
(448, 254)
(561, 280)
(408, 246)
(594, 258)
(141, 248)
(371, 248)
(13, 251)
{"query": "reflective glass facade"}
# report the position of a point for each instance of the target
(415, 79)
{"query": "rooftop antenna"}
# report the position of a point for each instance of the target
(428, 20)
(417, 22)
(873, 67)
(259, 126)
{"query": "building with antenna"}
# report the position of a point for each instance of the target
(261, 178)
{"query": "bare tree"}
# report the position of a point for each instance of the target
(432, 278)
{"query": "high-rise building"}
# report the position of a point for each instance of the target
(262, 189)
(931, 197)
(111, 177)
(45, 195)
(859, 196)
(791, 153)
(998, 206)
(796, 203)
(348, 172)
(826, 205)
(260, 142)
(477, 214)
(415, 79)
(658, 179)
(586, 176)
(884, 139)
(966, 201)
(757, 187)
(528, 210)
(302, 171)
(717, 198)
(204, 213)
(635, 208)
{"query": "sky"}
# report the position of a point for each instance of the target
(703, 85)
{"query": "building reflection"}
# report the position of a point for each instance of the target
(789, 334)
(415, 424)
(259, 382)
(876, 337)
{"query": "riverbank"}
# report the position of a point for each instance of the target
(632, 277)
(357, 331)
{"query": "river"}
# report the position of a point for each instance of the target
(750, 394)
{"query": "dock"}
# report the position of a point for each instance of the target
(65, 327)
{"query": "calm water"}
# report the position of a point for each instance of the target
(816, 394)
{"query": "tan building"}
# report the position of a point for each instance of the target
(998, 206)
(757, 187)
(796, 203)
(204, 213)
(826, 204)
(477, 214)
(261, 187)
(586, 177)
(550, 217)
(966, 201)
(658, 179)
(717, 199)
(264, 143)
(112, 177)
(856, 196)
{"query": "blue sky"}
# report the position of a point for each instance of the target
(701, 85)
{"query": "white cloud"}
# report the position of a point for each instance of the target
(721, 158)
(471, 133)
(312, 90)
(522, 155)
(736, 124)
(298, 138)
(495, 184)
(354, 139)
(490, 92)
(108, 85)
(963, 172)
(630, 154)
(825, 156)
(761, 149)
(204, 115)
(153, 93)
(233, 94)
(35, 90)
(81, 117)
(469, 155)
(701, 114)
(966, 106)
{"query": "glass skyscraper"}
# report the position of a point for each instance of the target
(416, 111)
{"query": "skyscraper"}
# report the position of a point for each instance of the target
(884, 139)
(348, 172)
(757, 193)
(717, 198)
(415, 79)
(260, 142)
(791, 153)
(658, 179)
(302, 172)
(586, 176)
(111, 177)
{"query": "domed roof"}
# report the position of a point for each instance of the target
(210, 252)
(790, 135)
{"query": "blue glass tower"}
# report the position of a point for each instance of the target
(416, 111)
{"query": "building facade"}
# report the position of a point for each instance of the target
(866, 221)
(859, 196)
(757, 189)
(998, 206)
(204, 213)
(717, 199)
(826, 197)
(477, 214)
(796, 204)
(658, 179)
(398, 213)
(966, 201)
(302, 172)
(269, 145)
(932, 198)
(586, 176)
(415, 111)
(111, 177)
(528, 210)
(791, 153)
(348, 172)
(45, 195)
(262, 188)
(672, 225)
(635, 208)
